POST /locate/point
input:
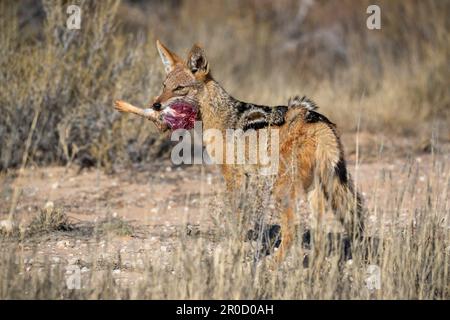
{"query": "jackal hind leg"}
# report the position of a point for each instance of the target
(318, 205)
(284, 199)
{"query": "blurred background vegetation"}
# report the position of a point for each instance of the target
(58, 85)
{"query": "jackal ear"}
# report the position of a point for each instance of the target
(197, 62)
(169, 59)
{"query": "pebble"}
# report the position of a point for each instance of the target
(139, 263)
(373, 277)
(7, 225)
(62, 244)
(56, 259)
(49, 205)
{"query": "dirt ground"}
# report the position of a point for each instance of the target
(154, 203)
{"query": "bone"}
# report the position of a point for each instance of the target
(149, 114)
(123, 106)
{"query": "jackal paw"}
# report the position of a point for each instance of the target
(267, 239)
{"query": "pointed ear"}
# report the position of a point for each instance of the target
(169, 59)
(197, 62)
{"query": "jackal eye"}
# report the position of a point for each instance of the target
(180, 89)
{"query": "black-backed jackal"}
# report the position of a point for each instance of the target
(311, 155)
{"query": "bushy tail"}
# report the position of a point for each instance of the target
(333, 183)
(332, 186)
(348, 206)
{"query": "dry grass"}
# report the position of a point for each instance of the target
(116, 226)
(408, 239)
(395, 79)
(49, 220)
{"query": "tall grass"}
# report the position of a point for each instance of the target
(69, 79)
(408, 241)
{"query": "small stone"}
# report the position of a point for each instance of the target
(56, 259)
(139, 263)
(62, 244)
(7, 225)
(49, 206)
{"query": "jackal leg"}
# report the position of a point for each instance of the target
(233, 178)
(233, 182)
(318, 204)
(287, 233)
(284, 198)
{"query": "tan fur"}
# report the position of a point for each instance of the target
(311, 155)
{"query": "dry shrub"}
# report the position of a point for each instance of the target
(48, 220)
(70, 78)
(407, 241)
(395, 79)
(116, 226)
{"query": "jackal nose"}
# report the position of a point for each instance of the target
(157, 106)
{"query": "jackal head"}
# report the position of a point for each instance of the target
(183, 87)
